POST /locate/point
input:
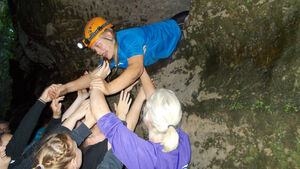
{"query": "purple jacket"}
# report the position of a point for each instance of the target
(135, 152)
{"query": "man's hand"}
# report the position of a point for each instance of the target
(56, 107)
(48, 92)
(123, 105)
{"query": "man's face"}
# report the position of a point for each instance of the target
(4, 128)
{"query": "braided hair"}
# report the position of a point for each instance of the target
(56, 152)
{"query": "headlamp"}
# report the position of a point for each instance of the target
(84, 43)
(80, 45)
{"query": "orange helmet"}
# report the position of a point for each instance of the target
(92, 31)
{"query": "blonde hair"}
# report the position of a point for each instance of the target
(56, 152)
(163, 110)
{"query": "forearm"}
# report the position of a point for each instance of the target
(78, 84)
(134, 112)
(70, 123)
(72, 108)
(98, 104)
(130, 75)
(147, 83)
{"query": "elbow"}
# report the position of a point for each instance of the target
(140, 71)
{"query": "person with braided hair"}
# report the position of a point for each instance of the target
(58, 151)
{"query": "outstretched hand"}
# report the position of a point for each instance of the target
(104, 70)
(56, 107)
(48, 92)
(123, 105)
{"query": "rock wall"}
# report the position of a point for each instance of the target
(236, 69)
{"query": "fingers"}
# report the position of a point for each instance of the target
(127, 98)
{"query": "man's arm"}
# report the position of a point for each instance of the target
(130, 75)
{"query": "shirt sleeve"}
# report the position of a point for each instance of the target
(133, 44)
(131, 150)
(80, 134)
(20, 138)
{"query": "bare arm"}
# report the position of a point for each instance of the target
(98, 103)
(81, 96)
(78, 84)
(134, 112)
(77, 115)
(84, 81)
(148, 85)
(130, 74)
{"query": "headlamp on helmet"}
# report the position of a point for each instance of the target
(92, 31)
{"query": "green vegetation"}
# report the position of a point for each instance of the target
(263, 137)
(7, 46)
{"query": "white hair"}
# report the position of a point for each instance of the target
(163, 111)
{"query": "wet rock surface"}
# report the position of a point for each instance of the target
(235, 71)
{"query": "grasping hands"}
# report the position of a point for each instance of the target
(48, 92)
(98, 84)
(123, 105)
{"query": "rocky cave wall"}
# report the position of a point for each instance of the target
(238, 57)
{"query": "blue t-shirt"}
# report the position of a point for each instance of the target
(160, 40)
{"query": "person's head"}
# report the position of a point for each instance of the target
(4, 127)
(100, 37)
(59, 150)
(162, 114)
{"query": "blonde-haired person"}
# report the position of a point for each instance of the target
(130, 49)
(59, 150)
(168, 146)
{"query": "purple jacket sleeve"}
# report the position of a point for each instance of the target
(131, 150)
